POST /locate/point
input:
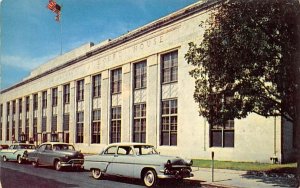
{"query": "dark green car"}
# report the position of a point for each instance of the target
(56, 154)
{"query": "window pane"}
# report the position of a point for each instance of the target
(216, 138)
(228, 138)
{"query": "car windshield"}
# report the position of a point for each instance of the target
(27, 147)
(145, 150)
(63, 147)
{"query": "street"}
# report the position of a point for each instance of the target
(15, 175)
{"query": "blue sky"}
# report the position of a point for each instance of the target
(30, 36)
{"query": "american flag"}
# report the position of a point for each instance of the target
(53, 6)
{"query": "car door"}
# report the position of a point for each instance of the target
(123, 161)
(107, 157)
(40, 154)
(9, 152)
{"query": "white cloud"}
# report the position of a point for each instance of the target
(24, 63)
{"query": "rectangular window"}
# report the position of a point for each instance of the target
(169, 123)
(80, 90)
(7, 131)
(139, 123)
(115, 130)
(54, 124)
(35, 136)
(14, 107)
(44, 99)
(1, 119)
(20, 105)
(222, 135)
(27, 129)
(96, 126)
(20, 130)
(66, 122)
(79, 127)
(54, 96)
(170, 67)
(116, 81)
(8, 109)
(35, 101)
(66, 94)
(44, 124)
(13, 130)
(97, 86)
(140, 75)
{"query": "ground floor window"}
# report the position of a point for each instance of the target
(115, 130)
(27, 129)
(13, 130)
(35, 136)
(44, 124)
(54, 123)
(139, 123)
(66, 122)
(44, 137)
(169, 122)
(0, 131)
(96, 126)
(222, 135)
(66, 138)
(79, 127)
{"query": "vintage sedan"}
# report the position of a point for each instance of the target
(136, 160)
(56, 154)
(17, 152)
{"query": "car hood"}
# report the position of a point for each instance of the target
(68, 152)
(162, 159)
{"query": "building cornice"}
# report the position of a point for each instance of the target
(174, 17)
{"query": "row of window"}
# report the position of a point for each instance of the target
(168, 132)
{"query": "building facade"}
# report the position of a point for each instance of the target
(135, 88)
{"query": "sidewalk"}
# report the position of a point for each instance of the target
(241, 179)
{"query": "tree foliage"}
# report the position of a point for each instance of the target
(246, 60)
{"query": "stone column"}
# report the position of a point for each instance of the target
(105, 107)
(60, 113)
(10, 121)
(87, 111)
(49, 114)
(39, 118)
(72, 125)
(126, 107)
(30, 117)
(17, 117)
(23, 113)
(4, 122)
(152, 114)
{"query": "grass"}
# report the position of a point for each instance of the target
(247, 166)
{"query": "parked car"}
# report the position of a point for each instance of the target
(17, 152)
(56, 154)
(136, 160)
(3, 146)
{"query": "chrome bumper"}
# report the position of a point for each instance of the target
(164, 176)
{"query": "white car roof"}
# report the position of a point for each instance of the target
(129, 144)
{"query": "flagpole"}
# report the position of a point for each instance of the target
(61, 31)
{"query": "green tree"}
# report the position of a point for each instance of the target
(249, 55)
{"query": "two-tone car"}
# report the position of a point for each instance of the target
(57, 154)
(17, 152)
(135, 160)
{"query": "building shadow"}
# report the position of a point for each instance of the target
(277, 178)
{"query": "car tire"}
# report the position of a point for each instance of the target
(97, 174)
(19, 159)
(150, 178)
(4, 158)
(35, 164)
(57, 165)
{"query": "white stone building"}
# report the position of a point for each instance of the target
(135, 88)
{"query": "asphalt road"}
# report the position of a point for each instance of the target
(26, 176)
